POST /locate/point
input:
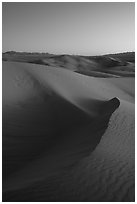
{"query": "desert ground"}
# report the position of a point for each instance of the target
(68, 128)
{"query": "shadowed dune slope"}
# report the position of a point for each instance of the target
(66, 137)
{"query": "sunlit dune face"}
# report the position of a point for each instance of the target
(66, 136)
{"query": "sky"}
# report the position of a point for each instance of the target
(87, 28)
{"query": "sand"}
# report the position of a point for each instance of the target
(66, 136)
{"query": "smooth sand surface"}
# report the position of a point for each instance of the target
(66, 136)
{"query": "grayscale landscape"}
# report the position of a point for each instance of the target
(68, 120)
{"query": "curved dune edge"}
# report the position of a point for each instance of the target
(107, 174)
(68, 170)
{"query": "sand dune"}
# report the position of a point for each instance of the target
(104, 66)
(66, 136)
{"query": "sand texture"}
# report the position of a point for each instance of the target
(67, 136)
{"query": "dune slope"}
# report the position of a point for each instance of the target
(66, 137)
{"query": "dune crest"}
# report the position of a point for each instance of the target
(77, 133)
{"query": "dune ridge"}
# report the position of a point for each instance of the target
(77, 132)
(111, 65)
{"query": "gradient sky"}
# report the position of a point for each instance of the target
(68, 27)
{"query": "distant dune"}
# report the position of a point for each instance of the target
(67, 136)
(104, 66)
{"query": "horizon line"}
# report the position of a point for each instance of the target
(42, 52)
